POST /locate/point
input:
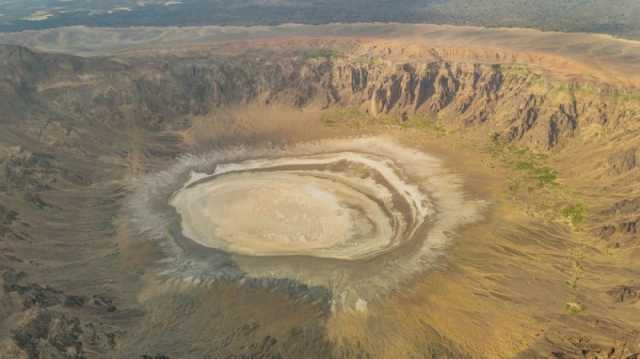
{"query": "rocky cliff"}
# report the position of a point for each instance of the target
(520, 103)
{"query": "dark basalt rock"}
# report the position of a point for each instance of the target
(625, 294)
(44, 330)
(50, 332)
(628, 229)
(624, 161)
(624, 207)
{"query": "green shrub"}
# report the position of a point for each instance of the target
(574, 308)
(546, 176)
(575, 214)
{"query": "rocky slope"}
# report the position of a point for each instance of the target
(522, 104)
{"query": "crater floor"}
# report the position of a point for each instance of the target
(341, 205)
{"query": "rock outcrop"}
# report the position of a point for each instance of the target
(522, 105)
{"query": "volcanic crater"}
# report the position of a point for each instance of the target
(348, 209)
(347, 191)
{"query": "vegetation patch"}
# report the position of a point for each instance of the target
(574, 308)
(355, 117)
(340, 115)
(575, 214)
(535, 184)
(423, 122)
(543, 175)
(528, 164)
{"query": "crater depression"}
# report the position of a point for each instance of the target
(340, 205)
(356, 216)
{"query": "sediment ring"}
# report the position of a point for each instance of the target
(342, 205)
(355, 216)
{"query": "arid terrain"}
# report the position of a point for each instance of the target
(475, 192)
(620, 18)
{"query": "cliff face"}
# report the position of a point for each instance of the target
(519, 104)
(70, 102)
